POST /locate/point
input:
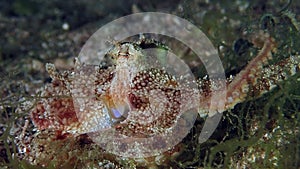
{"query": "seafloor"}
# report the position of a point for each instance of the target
(259, 133)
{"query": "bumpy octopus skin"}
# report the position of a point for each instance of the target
(56, 110)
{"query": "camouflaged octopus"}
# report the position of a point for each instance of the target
(122, 96)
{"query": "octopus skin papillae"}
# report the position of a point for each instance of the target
(61, 130)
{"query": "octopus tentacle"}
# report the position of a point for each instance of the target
(238, 89)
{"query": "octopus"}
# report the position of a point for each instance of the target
(89, 106)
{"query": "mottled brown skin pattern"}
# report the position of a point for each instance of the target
(61, 113)
(145, 82)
